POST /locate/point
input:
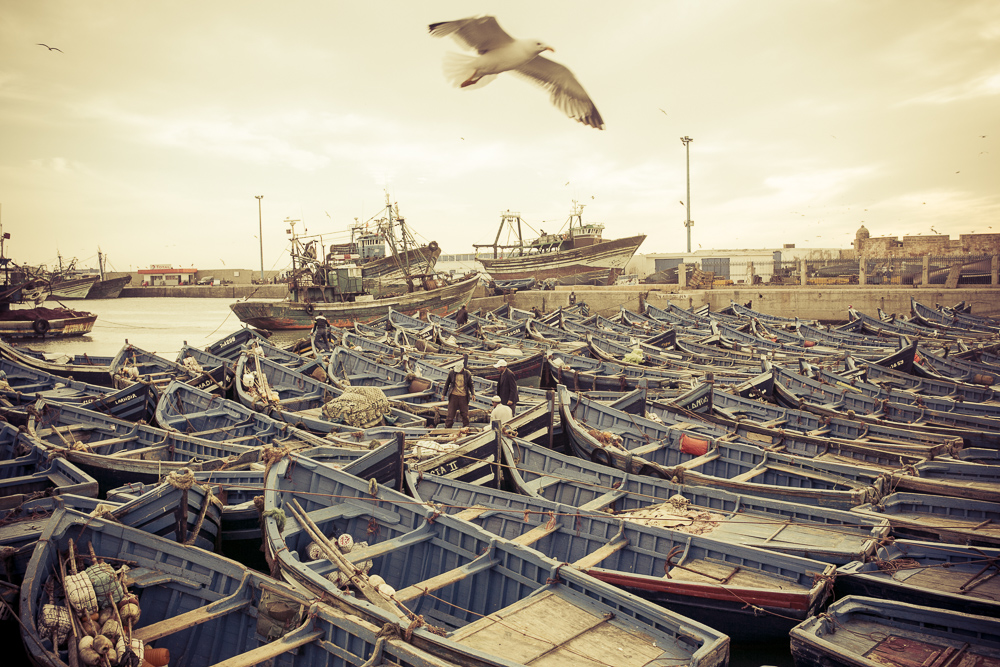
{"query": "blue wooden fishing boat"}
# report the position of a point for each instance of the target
(208, 610)
(922, 516)
(470, 586)
(699, 454)
(180, 509)
(735, 408)
(866, 632)
(98, 372)
(26, 473)
(318, 407)
(952, 368)
(921, 386)
(929, 317)
(875, 326)
(235, 489)
(811, 531)
(722, 584)
(21, 384)
(933, 574)
(185, 409)
(116, 452)
(794, 390)
(852, 383)
(21, 526)
(229, 347)
(132, 363)
(889, 459)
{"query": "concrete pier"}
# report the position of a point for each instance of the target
(828, 303)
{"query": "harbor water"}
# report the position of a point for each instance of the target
(159, 325)
(164, 325)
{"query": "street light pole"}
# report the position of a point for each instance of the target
(689, 223)
(260, 236)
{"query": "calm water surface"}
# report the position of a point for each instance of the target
(163, 325)
(151, 324)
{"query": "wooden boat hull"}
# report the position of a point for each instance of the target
(71, 289)
(858, 631)
(117, 452)
(947, 576)
(287, 314)
(136, 402)
(452, 573)
(208, 610)
(606, 259)
(920, 516)
(635, 557)
(832, 536)
(99, 374)
(109, 288)
(46, 323)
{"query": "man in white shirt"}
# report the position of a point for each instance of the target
(501, 413)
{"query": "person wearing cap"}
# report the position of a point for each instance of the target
(501, 413)
(506, 385)
(459, 389)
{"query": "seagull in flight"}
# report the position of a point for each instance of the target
(50, 48)
(499, 52)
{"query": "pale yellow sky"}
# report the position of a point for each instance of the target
(153, 129)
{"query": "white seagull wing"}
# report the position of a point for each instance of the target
(567, 93)
(481, 33)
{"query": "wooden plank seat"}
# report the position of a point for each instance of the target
(484, 562)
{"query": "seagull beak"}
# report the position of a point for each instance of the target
(549, 48)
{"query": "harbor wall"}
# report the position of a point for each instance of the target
(208, 291)
(827, 304)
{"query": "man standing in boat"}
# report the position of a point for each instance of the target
(458, 388)
(321, 332)
(462, 316)
(506, 385)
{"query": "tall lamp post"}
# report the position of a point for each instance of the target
(260, 236)
(689, 222)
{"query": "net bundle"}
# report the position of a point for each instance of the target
(361, 407)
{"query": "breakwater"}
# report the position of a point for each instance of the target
(828, 303)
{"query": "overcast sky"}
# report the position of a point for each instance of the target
(152, 131)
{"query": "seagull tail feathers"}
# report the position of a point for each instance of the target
(458, 68)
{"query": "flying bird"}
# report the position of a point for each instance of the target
(499, 52)
(50, 48)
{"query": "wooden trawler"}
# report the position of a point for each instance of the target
(577, 256)
(337, 291)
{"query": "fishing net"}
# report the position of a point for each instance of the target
(80, 592)
(362, 407)
(54, 619)
(105, 583)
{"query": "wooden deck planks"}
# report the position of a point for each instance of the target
(549, 629)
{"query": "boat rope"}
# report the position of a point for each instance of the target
(208, 500)
(278, 515)
(182, 479)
